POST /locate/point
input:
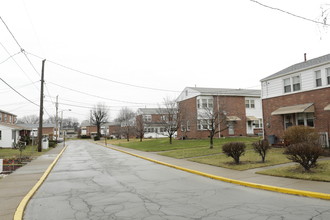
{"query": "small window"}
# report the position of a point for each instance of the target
(204, 103)
(310, 119)
(252, 103)
(247, 103)
(328, 75)
(300, 119)
(210, 103)
(0, 135)
(318, 78)
(296, 83)
(287, 85)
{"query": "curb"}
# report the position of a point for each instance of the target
(238, 182)
(21, 207)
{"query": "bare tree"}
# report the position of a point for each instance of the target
(170, 117)
(139, 126)
(28, 119)
(126, 118)
(99, 115)
(213, 119)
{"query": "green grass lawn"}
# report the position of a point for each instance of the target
(162, 144)
(319, 173)
(249, 160)
(30, 151)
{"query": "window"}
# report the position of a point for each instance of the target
(5, 118)
(0, 135)
(203, 124)
(249, 103)
(163, 117)
(291, 84)
(205, 103)
(0, 117)
(328, 75)
(306, 119)
(318, 79)
(296, 83)
(258, 123)
(287, 85)
(147, 118)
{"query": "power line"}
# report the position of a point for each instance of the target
(103, 78)
(10, 57)
(18, 92)
(11, 34)
(96, 95)
(289, 13)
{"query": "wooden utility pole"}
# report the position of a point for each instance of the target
(41, 107)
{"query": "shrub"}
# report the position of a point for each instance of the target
(234, 150)
(305, 153)
(52, 143)
(299, 134)
(97, 138)
(261, 147)
(304, 146)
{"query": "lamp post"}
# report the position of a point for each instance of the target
(61, 125)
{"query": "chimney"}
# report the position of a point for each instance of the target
(305, 57)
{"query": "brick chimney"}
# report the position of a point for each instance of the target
(305, 57)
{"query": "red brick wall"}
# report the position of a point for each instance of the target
(234, 106)
(274, 124)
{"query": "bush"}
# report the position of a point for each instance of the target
(305, 153)
(52, 143)
(261, 147)
(97, 138)
(299, 134)
(304, 146)
(234, 150)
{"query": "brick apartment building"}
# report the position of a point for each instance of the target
(241, 107)
(297, 95)
(152, 121)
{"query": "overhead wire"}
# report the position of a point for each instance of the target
(115, 100)
(10, 57)
(103, 78)
(289, 13)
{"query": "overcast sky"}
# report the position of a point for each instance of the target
(136, 52)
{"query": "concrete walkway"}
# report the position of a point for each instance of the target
(15, 186)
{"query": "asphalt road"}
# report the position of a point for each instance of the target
(93, 182)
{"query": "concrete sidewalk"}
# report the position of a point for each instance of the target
(15, 186)
(247, 176)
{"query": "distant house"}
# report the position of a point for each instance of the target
(150, 119)
(241, 107)
(9, 131)
(298, 95)
(87, 129)
(31, 130)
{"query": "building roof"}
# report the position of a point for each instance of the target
(226, 91)
(150, 111)
(13, 126)
(31, 126)
(8, 113)
(300, 66)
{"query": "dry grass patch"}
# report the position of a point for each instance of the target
(320, 173)
(249, 160)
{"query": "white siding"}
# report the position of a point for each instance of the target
(187, 93)
(274, 87)
(7, 137)
(256, 111)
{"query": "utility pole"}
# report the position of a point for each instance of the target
(41, 107)
(56, 120)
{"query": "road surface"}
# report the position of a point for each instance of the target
(93, 182)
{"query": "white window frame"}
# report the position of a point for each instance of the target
(328, 75)
(147, 118)
(250, 103)
(291, 84)
(258, 123)
(318, 78)
(205, 102)
(305, 117)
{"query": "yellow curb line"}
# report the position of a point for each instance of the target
(238, 182)
(21, 207)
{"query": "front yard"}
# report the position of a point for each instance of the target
(199, 151)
